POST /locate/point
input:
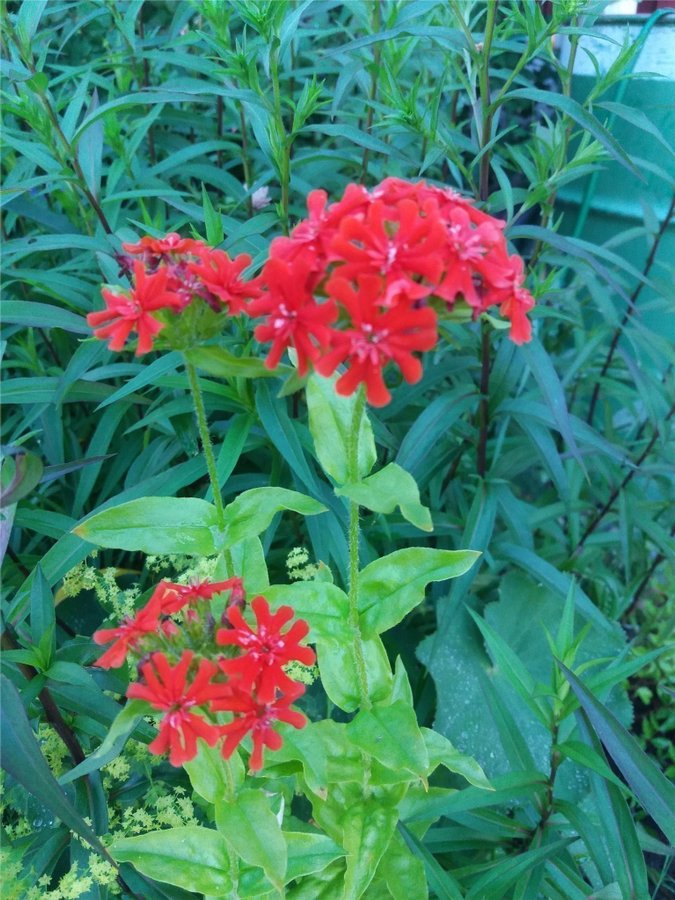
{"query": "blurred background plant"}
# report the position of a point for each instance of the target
(129, 118)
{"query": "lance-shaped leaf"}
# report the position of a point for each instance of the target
(368, 828)
(392, 736)
(250, 826)
(252, 511)
(158, 525)
(392, 586)
(650, 786)
(387, 489)
(220, 362)
(27, 473)
(324, 606)
(189, 857)
(443, 753)
(330, 422)
(339, 674)
(20, 756)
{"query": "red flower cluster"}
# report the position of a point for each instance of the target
(168, 274)
(252, 686)
(354, 282)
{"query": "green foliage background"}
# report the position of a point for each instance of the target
(127, 118)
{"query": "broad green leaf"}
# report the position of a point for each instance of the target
(650, 786)
(113, 743)
(330, 422)
(21, 757)
(392, 586)
(403, 872)
(387, 489)
(220, 362)
(26, 475)
(252, 511)
(392, 736)
(339, 676)
(250, 826)
(367, 830)
(189, 857)
(513, 669)
(308, 852)
(324, 606)
(249, 562)
(158, 525)
(210, 775)
(442, 753)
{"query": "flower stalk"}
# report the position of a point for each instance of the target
(354, 535)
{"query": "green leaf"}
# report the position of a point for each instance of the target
(392, 736)
(158, 525)
(367, 830)
(252, 511)
(249, 562)
(252, 829)
(220, 362)
(188, 857)
(330, 422)
(42, 315)
(118, 733)
(442, 753)
(514, 670)
(208, 772)
(581, 753)
(392, 586)
(403, 872)
(42, 610)
(387, 489)
(212, 221)
(28, 470)
(653, 790)
(339, 674)
(441, 882)
(20, 756)
(582, 117)
(309, 853)
(324, 606)
(497, 881)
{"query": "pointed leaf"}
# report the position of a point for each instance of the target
(159, 525)
(392, 586)
(387, 489)
(252, 511)
(252, 829)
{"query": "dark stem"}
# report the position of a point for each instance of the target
(484, 177)
(219, 127)
(600, 515)
(629, 311)
(377, 52)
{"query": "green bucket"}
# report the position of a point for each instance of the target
(612, 202)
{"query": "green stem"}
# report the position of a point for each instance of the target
(207, 446)
(354, 531)
(284, 163)
(484, 177)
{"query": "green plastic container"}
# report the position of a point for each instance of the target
(601, 207)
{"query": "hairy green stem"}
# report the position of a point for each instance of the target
(207, 446)
(354, 531)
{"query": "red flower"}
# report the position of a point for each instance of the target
(167, 689)
(172, 243)
(127, 635)
(174, 597)
(467, 250)
(368, 246)
(258, 718)
(377, 337)
(294, 319)
(267, 650)
(221, 276)
(127, 314)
